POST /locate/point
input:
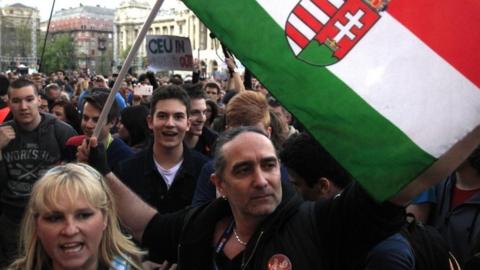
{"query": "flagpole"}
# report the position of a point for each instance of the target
(102, 120)
(46, 36)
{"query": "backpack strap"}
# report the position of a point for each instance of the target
(51, 124)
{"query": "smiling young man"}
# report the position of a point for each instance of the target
(117, 150)
(199, 137)
(165, 174)
(29, 144)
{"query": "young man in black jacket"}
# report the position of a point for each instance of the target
(165, 174)
(199, 137)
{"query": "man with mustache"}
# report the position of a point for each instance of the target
(259, 222)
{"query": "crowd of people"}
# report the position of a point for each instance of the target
(202, 174)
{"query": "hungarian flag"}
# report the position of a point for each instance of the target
(389, 88)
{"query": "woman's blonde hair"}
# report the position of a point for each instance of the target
(73, 181)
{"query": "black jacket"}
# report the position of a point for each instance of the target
(140, 175)
(333, 234)
(206, 142)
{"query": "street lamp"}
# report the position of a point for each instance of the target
(102, 47)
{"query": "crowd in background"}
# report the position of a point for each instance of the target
(162, 147)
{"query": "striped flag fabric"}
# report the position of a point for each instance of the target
(389, 88)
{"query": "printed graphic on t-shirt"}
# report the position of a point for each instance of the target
(25, 166)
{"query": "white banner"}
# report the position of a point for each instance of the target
(169, 53)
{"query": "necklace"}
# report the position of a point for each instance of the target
(243, 243)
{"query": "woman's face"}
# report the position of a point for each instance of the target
(59, 112)
(71, 234)
(208, 113)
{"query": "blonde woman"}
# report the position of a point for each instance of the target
(71, 223)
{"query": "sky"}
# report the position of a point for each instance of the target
(44, 6)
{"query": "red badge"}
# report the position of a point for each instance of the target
(279, 262)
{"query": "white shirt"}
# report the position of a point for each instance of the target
(168, 174)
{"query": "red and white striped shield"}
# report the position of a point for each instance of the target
(336, 25)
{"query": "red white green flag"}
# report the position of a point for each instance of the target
(390, 88)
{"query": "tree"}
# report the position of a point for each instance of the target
(124, 53)
(59, 54)
(104, 61)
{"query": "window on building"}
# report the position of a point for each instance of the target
(193, 34)
(165, 30)
(202, 37)
(157, 30)
(180, 29)
(171, 29)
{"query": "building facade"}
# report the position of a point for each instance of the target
(19, 31)
(174, 18)
(91, 28)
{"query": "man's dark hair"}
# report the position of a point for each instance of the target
(303, 155)
(71, 114)
(227, 136)
(169, 92)
(213, 85)
(142, 77)
(98, 99)
(176, 79)
(22, 82)
(195, 91)
(51, 86)
(134, 119)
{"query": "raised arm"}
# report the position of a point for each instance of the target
(440, 169)
(234, 75)
(134, 213)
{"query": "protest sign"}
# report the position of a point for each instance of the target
(169, 53)
(143, 90)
